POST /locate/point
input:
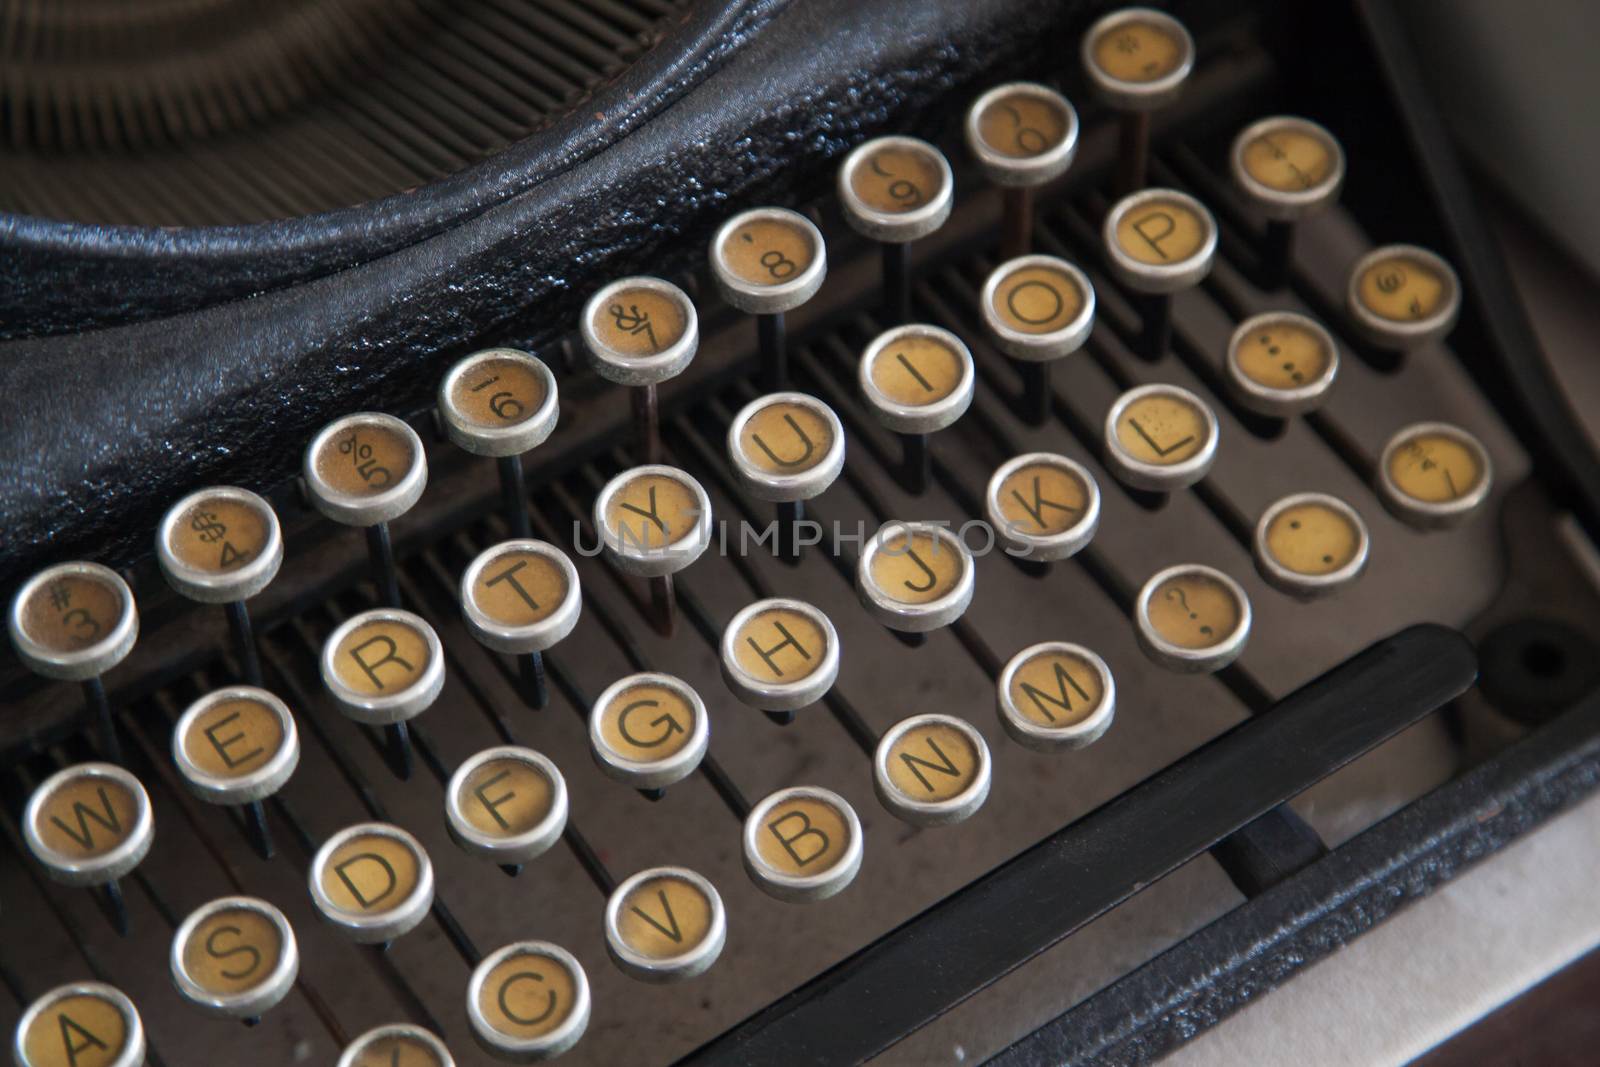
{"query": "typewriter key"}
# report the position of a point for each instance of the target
(237, 746)
(802, 843)
(1289, 168)
(223, 546)
(1137, 60)
(528, 1002)
(765, 262)
(639, 332)
(1192, 618)
(506, 804)
(931, 770)
(521, 598)
(1054, 696)
(649, 730)
(372, 881)
(664, 925)
(1402, 297)
(235, 957)
(366, 470)
(1159, 242)
(654, 521)
(917, 380)
(915, 577)
(896, 190)
(1038, 309)
(1023, 135)
(780, 655)
(384, 667)
(75, 621)
(82, 1024)
(89, 824)
(1309, 544)
(1160, 438)
(1281, 364)
(396, 1045)
(1433, 475)
(788, 448)
(1043, 506)
(501, 403)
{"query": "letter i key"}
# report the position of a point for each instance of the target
(501, 402)
(89, 825)
(238, 746)
(917, 380)
(385, 667)
(76, 621)
(521, 598)
(222, 546)
(366, 470)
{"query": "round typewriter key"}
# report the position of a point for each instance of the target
(1056, 695)
(1403, 297)
(802, 843)
(396, 1045)
(373, 881)
(1160, 438)
(1308, 544)
(384, 667)
(1022, 134)
(1159, 242)
(528, 1001)
(915, 577)
(83, 1024)
(780, 655)
(895, 190)
(1281, 364)
(506, 804)
(1037, 309)
(501, 402)
(237, 746)
(917, 380)
(1043, 506)
(1137, 60)
(1433, 475)
(649, 730)
(931, 770)
(521, 598)
(365, 470)
(639, 332)
(765, 262)
(787, 448)
(222, 546)
(75, 621)
(665, 924)
(1289, 168)
(1192, 618)
(235, 957)
(654, 521)
(89, 824)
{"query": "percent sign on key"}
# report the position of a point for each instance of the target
(360, 454)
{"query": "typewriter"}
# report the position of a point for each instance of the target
(752, 532)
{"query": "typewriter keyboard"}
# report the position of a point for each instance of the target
(674, 664)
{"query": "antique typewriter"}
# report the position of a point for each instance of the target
(751, 532)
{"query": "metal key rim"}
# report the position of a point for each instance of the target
(1431, 515)
(918, 418)
(265, 994)
(695, 960)
(78, 664)
(1156, 477)
(780, 696)
(514, 438)
(401, 1031)
(796, 888)
(133, 1043)
(385, 708)
(1021, 171)
(533, 637)
(1038, 347)
(915, 618)
(1159, 278)
(1286, 205)
(1138, 96)
(1212, 657)
(1293, 582)
(516, 848)
(389, 503)
(932, 812)
(1281, 403)
(889, 226)
(1046, 547)
(211, 587)
(623, 369)
(258, 784)
(1393, 333)
(787, 295)
(108, 865)
(657, 773)
(765, 485)
(386, 926)
(1029, 734)
(545, 1046)
(643, 561)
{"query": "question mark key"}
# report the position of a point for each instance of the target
(1192, 618)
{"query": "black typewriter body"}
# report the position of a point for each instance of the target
(1227, 832)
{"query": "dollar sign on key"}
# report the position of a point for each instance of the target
(206, 525)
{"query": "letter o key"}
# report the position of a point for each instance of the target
(373, 881)
(802, 843)
(528, 1001)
